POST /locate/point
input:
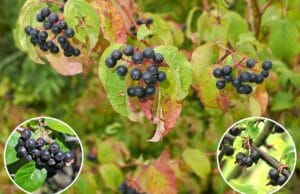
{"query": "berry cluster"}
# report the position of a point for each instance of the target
(276, 178)
(245, 160)
(147, 75)
(139, 22)
(127, 189)
(50, 157)
(236, 131)
(225, 76)
(54, 31)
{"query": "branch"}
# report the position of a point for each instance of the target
(265, 7)
(254, 16)
(264, 134)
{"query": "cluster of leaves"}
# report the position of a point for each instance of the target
(32, 162)
(252, 149)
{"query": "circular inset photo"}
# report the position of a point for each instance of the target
(43, 155)
(256, 155)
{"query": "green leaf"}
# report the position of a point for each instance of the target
(238, 143)
(115, 86)
(252, 129)
(29, 177)
(111, 175)
(254, 106)
(143, 32)
(27, 18)
(181, 70)
(288, 156)
(81, 16)
(237, 26)
(201, 59)
(59, 126)
(10, 152)
(244, 188)
(197, 161)
(283, 39)
(282, 101)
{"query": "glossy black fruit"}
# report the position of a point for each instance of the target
(28, 158)
(259, 79)
(148, 53)
(45, 155)
(264, 73)
(47, 24)
(21, 142)
(128, 50)
(45, 12)
(136, 74)
(69, 33)
(51, 162)
(227, 70)
(281, 180)
(131, 91)
(55, 29)
(76, 52)
(60, 165)
(149, 21)
(53, 17)
(43, 35)
(39, 163)
(247, 161)
(153, 69)
(28, 30)
(36, 153)
(250, 63)
(116, 55)
(228, 78)
(150, 90)
(21, 151)
(62, 25)
(137, 58)
(236, 82)
(68, 156)
(54, 148)
(239, 156)
(40, 142)
(122, 70)
(255, 155)
(59, 156)
(267, 65)
(30, 144)
(220, 84)
(161, 76)
(228, 151)
(40, 17)
(235, 131)
(274, 174)
(218, 72)
(245, 76)
(110, 63)
(158, 58)
(149, 78)
(140, 92)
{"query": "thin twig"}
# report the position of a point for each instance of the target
(265, 7)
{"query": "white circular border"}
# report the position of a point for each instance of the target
(28, 120)
(293, 171)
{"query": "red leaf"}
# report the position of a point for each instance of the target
(146, 107)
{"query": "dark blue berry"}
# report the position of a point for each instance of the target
(69, 33)
(259, 79)
(150, 90)
(45, 12)
(28, 158)
(236, 82)
(281, 180)
(47, 24)
(227, 70)
(131, 91)
(54, 148)
(110, 63)
(59, 156)
(128, 50)
(122, 70)
(45, 154)
(35, 153)
(25, 134)
(161, 76)
(218, 72)
(53, 17)
(30, 144)
(149, 78)
(21, 151)
(220, 84)
(40, 142)
(68, 156)
(116, 55)
(40, 17)
(140, 92)
(274, 174)
(264, 73)
(137, 58)
(158, 58)
(245, 76)
(28, 30)
(153, 69)
(267, 65)
(136, 74)
(250, 63)
(62, 25)
(148, 53)
(76, 52)
(51, 162)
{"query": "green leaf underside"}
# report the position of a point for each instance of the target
(74, 12)
(59, 126)
(143, 32)
(29, 177)
(10, 153)
(112, 175)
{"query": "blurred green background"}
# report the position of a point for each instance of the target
(28, 90)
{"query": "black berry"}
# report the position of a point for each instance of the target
(227, 70)
(21, 151)
(45, 155)
(60, 165)
(267, 65)
(62, 25)
(131, 91)
(116, 55)
(35, 153)
(40, 17)
(250, 63)
(140, 92)
(55, 29)
(236, 82)
(239, 156)
(218, 72)
(122, 70)
(228, 151)
(245, 76)
(128, 50)
(136, 74)
(153, 69)
(255, 155)
(69, 33)
(43, 35)
(76, 52)
(54, 148)
(28, 30)
(40, 142)
(220, 84)
(51, 162)
(30, 144)
(28, 158)
(68, 156)
(53, 17)
(281, 180)
(25, 134)
(47, 24)
(149, 78)
(264, 73)
(259, 79)
(274, 174)
(110, 63)
(59, 156)
(161, 76)
(158, 58)
(247, 161)
(148, 53)
(149, 21)
(150, 90)
(45, 12)
(137, 58)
